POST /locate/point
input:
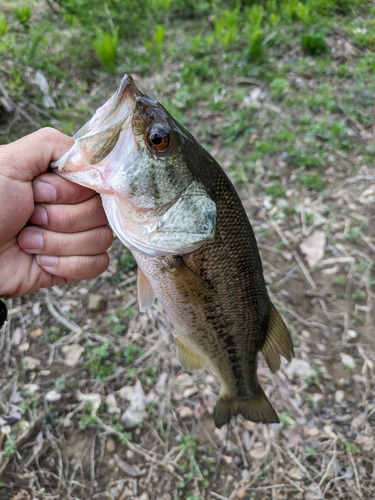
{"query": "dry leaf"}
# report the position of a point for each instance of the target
(30, 363)
(313, 247)
(72, 354)
(258, 451)
(184, 411)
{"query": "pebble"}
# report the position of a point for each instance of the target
(237, 459)
(96, 303)
(52, 396)
(110, 446)
(241, 494)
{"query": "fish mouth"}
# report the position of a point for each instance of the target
(96, 140)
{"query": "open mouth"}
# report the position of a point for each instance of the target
(98, 137)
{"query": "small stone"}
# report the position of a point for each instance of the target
(352, 334)
(30, 389)
(348, 361)
(300, 368)
(129, 454)
(96, 303)
(36, 333)
(24, 347)
(144, 496)
(237, 459)
(110, 446)
(52, 396)
(241, 493)
(339, 396)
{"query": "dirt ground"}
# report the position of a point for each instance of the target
(74, 360)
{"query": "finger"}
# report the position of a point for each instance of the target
(35, 240)
(74, 268)
(70, 218)
(35, 150)
(51, 188)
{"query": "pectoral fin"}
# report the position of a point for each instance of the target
(277, 341)
(146, 295)
(189, 359)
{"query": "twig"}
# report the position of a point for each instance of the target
(216, 495)
(73, 327)
(17, 108)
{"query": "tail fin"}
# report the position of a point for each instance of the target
(256, 408)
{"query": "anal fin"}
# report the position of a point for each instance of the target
(189, 359)
(277, 341)
(146, 295)
(256, 408)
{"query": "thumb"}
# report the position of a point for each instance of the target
(30, 156)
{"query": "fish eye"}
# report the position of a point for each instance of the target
(158, 138)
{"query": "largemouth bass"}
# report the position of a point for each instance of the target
(174, 207)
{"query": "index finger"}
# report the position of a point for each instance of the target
(51, 188)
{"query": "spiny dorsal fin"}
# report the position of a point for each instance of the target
(189, 359)
(146, 295)
(277, 341)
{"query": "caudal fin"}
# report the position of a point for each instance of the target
(256, 408)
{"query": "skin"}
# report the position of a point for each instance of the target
(51, 230)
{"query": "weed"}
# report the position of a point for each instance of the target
(351, 448)
(3, 25)
(340, 280)
(275, 191)
(278, 88)
(23, 14)
(359, 294)
(310, 452)
(286, 419)
(156, 45)
(10, 447)
(98, 363)
(226, 27)
(105, 46)
(313, 44)
(314, 182)
(131, 353)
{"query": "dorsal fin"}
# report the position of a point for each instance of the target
(277, 341)
(146, 295)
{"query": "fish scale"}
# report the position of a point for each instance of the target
(172, 204)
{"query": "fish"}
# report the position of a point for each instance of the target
(173, 206)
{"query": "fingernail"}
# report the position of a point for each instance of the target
(44, 191)
(47, 260)
(39, 216)
(32, 239)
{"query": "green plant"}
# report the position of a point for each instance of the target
(156, 46)
(131, 353)
(105, 46)
(23, 14)
(275, 191)
(98, 363)
(226, 26)
(10, 447)
(351, 448)
(314, 181)
(286, 418)
(3, 25)
(359, 294)
(314, 44)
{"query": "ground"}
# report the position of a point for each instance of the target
(75, 359)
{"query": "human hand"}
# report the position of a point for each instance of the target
(51, 230)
